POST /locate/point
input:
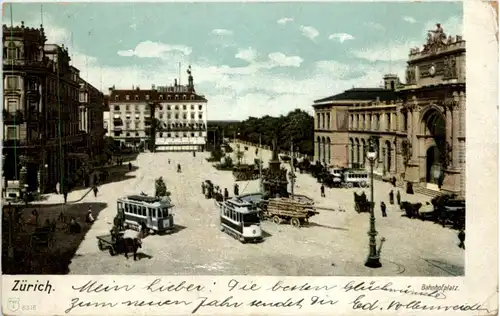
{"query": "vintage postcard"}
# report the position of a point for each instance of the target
(230, 158)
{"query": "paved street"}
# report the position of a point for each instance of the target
(335, 243)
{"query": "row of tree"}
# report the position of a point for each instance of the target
(297, 127)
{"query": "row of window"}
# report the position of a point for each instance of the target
(161, 97)
(184, 116)
(13, 83)
(143, 211)
(160, 107)
(323, 120)
(176, 135)
(375, 121)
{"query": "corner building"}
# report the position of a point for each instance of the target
(419, 126)
(180, 113)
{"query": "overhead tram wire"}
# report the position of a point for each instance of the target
(12, 72)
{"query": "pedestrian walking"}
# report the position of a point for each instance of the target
(203, 188)
(383, 208)
(58, 188)
(391, 197)
(398, 198)
(95, 191)
(129, 166)
(322, 190)
(236, 189)
(393, 181)
(461, 237)
(65, 195)
(226, 194)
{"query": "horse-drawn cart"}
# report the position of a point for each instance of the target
(42, 236)
(361, 203)
(287, 209)
(118, 244)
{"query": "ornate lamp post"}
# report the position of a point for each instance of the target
(373, 260)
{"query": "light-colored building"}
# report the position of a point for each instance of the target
(419, 126)
(91, 119)
(180, 113)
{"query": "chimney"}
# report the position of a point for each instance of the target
(138, 88)
(110, 89)
(175, 82)
(152, 87)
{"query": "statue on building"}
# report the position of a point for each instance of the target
(435, 39)
(410, 75)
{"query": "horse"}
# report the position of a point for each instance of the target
(128, 245)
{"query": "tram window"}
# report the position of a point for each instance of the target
(165, 211)
(154, 213)
(126, 208)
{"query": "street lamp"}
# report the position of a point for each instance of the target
(373, 260)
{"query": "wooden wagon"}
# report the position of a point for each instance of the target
(286, 209)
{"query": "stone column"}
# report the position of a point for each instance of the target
(392, 165)
(455, 128)
(449, 128)
(415, 123)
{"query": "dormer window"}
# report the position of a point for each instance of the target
(127, 97)
(184, 97)
(177, 107)
(161, 96)
(184, 107)
(192, 97)
(177, 97)
(136, 97)
(160, 108)
(12, 51)
(147, 96)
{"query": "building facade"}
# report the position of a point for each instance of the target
(419, 127)
(180, 114)
(91, 117)
(41, 100)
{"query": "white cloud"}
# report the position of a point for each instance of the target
(341, 37)
(249, 54)
(281, 60)
(285, 20)
(133, 26)
(409, 19)
(221, 32)
(309, 32)
(149, 49)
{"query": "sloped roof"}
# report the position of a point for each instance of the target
(367, 94)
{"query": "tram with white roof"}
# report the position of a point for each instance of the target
(240, 219)
(154, 212)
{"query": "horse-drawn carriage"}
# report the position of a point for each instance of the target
(411, 209)
(117, 242)
(361, 203)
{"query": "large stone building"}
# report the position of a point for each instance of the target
(91, 117)
(180, 113)
(419, 126)
(40, 117)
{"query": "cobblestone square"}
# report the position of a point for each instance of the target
(335, 243)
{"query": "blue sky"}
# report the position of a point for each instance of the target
(247, 59)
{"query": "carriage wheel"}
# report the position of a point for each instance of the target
(349, 185)
(295, 222)
(242, 240)
(222, 228)
(100, 245)
(363, 184)
(112, 251)
(276, 220)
